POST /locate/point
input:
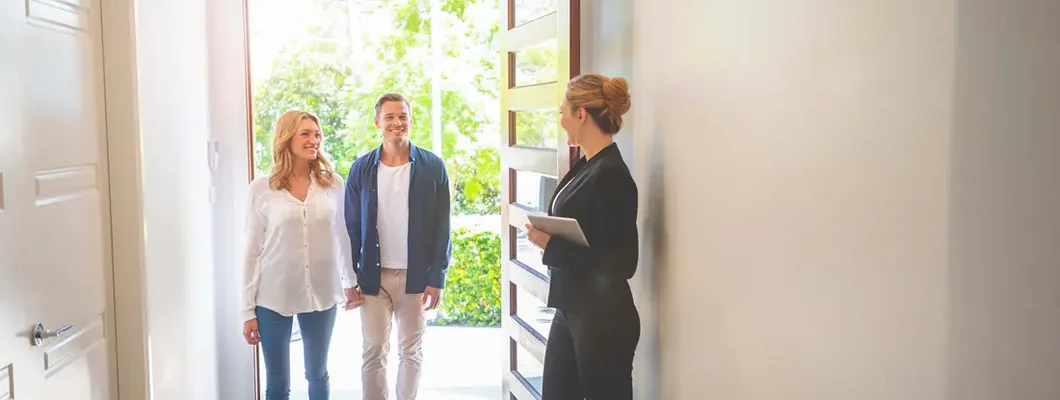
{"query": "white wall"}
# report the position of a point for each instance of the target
(607, 48)
(175, 123)
(806, 150)
(1005, 212)
(853, 199)
(229, 108)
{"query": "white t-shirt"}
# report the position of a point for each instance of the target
(298, 255)
(393, 215)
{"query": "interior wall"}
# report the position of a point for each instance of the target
(607, 48)
(175, 124)
(1005, 214)
(852, 199)
(801, 155)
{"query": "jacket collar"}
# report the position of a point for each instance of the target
(413, 151)
(607, 152)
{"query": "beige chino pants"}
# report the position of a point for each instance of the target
(376, 315)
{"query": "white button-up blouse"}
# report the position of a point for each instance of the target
(298, 256)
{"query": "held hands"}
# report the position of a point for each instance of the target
(354, 298)
(431, 297)
(251, 333)
(538, 238)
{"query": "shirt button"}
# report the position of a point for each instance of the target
(377, 245)
(377, 264)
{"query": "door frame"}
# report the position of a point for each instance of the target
(257, 367)
(127, 309)
(563, 25)
(250, 162)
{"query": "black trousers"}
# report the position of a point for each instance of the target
(590, 355)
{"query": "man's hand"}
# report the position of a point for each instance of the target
(354, 298)
(431, 296)
(251, 333)
(538, 238)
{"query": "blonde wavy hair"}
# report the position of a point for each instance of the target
(321, 168)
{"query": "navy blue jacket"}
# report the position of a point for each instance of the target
(430, 242)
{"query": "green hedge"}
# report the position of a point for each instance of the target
(472, 295)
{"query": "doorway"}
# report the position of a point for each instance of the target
(497, 131)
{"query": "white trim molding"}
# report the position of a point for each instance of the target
(127, 222)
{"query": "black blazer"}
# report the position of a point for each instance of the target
(600, 193)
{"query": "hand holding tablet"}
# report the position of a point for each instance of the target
(567, 228)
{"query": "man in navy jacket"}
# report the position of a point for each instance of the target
(397, 215)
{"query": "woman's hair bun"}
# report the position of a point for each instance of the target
(616, 96)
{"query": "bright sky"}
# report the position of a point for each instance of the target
(272, 22)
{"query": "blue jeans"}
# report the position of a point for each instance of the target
(275, 331)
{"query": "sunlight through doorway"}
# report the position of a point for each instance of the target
(334, 58)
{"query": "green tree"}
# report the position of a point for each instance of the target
(312, 85)
(312, 75)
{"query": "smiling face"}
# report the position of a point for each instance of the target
(394, 121)
(305, 143)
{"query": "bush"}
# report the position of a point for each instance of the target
(472, 295)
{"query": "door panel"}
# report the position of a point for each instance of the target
(535, 128)
(539, 54)
(10, 315)
(56, 203)
(523, 11)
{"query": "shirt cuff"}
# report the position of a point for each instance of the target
(350, 283)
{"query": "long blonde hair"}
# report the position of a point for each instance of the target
(283, 161)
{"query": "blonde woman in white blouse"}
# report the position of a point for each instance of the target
(298, 260)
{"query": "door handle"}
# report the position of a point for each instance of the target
(39, 333)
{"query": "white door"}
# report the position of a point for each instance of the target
(55, 265)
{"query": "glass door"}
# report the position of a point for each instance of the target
(539, 54)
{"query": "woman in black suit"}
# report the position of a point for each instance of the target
(596, 326)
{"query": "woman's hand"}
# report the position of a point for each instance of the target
(354, 298)
(250, 332)
(538, 238)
